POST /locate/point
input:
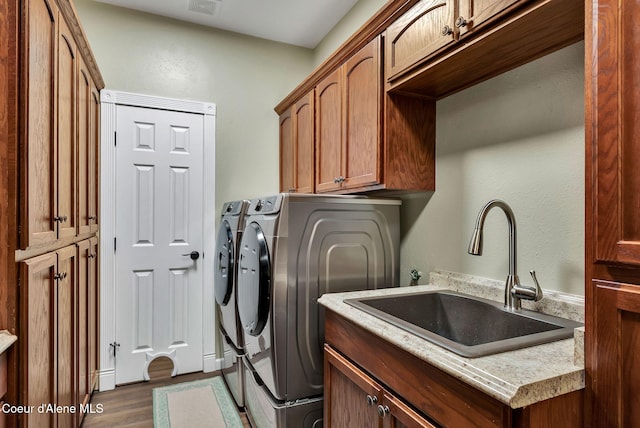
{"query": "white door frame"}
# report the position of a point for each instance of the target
(108, 102)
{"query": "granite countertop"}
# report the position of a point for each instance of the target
(6, 340)
(518, 378)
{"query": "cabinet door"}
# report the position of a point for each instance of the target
(67, 66)
(39, 187)
(350, 396)
(473, 13)
(82, 304)
(397, 414)
(363, 111)
(424, 29)
(616, 349)
(83, 103)
(66, 350)
(304, 143)
(613, 137)
(287, 152)
(37, 336)
(94, 158)
(329, 132)
(93, 291)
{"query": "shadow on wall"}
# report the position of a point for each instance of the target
(516, 105)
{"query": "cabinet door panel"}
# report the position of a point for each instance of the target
(82, 305)
(329, 132)
(287, 155)
(66, 344)
(351, 397)
(616, 348)
(478, 12)
(39, 187)
(83, 147)
(66, 132)
(94, 158)
(417, 34)
(614, 138)
(92, 298)
(304, 144)
(37, 335)
(402, 416)
(362, 81)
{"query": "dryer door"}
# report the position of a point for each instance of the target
(254, 280)
(224, 264)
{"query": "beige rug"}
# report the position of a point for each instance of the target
(202, 403)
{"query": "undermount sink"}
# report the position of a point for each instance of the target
(466, 325)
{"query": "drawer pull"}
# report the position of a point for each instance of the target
(371, 400)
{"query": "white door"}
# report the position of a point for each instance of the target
(159, 230)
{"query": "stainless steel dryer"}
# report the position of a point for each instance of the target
(295, 248)
(225, 287)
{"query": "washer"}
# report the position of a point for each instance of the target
(295, 248)
(225, 287)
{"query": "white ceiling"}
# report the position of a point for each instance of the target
(297, 22)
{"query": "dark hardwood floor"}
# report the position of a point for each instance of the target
(131, 405)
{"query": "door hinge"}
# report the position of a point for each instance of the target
(114, 347)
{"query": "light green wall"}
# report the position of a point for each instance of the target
(352, 21)
(518, 137)
(244, 76)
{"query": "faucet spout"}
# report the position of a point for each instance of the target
(475, 247)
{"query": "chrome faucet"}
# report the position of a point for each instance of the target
(513, 291)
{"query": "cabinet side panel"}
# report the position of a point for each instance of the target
(286, 152)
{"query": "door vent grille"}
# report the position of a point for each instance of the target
(208, 7)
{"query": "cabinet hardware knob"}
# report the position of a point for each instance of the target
(292, 190)
(461, 22)
(371, 400)
(446, 30)
(92, 255)
(60, 276)
(383, 410)
(60, 218)
(92, 217)
(336, 180)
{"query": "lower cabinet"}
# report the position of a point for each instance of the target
(56, 334)
(616, 331)
(370, 382)
(359, 401)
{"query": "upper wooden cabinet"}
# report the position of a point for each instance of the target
(59, 143)
(472, 14)
(348, 118)
(613, 139)
(440, 47)
(423, 30)
(39, 151)
(433, 24)
(297, 146)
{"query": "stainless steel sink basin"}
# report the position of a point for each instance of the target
(467, 325)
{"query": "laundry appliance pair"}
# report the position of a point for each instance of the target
(293, 249)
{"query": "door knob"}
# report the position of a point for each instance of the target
(194, 255)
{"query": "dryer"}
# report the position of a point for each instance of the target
(295, 248)
(225, 288)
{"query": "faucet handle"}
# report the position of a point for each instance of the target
(538, 295)
(528, 293)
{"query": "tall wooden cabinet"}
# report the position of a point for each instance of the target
(612, 290)
(49, 202)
